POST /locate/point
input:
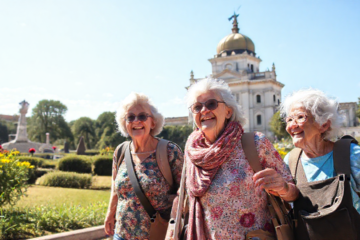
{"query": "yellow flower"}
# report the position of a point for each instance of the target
(5, 160)
(15, 153)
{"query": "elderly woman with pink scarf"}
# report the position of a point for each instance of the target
(226, 197)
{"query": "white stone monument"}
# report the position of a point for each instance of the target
(21, 141)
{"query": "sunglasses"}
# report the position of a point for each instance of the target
(298, 118)
(142, 117)
(210, 104)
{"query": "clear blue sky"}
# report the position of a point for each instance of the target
(91, 54)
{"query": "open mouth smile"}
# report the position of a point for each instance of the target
(207, 118)
(297, 133)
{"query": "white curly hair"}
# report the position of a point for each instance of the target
(220, 88)
(321, 107)
(132, 100)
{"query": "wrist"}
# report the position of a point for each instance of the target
(285, 190)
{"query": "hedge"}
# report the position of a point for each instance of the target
(103, 165)
(74, 163)
(35, 161)
(37, 173)
(65, 179)
(50, 164)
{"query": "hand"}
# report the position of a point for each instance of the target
(109, 224)
(271, 181)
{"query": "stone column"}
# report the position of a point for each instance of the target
(21, 133)
(47, 138)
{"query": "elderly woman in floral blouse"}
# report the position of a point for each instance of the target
(226, 198)
(138, 118)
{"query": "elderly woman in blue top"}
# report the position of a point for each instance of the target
(312, 120)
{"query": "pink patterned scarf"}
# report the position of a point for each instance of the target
(202, 163)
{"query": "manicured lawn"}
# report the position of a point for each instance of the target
(39, 195)
(49, 210)
(101, 182)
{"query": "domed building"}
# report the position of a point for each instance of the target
(259, 93)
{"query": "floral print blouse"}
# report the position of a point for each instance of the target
(233, 206)
(132, 220)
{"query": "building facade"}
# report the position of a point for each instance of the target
(259, 93)
(348, 110)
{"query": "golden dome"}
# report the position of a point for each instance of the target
(235, 42)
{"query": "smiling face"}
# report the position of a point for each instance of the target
(138, 129)
(308, 133)
(211, 123)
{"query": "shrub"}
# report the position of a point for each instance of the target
(92, 152)
(74, 163)
(65, 179)
(49, 164)
(35, 161)
(41, 220)
(36, 173)
(103, 165)
(13, 177)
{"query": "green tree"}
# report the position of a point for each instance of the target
(85, 127)
(177, 134)
(48, 116)
(106, 131)
(6, 128)
(4, 133)
(278, 126)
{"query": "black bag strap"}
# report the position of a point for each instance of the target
(342, 155)
(135, 183)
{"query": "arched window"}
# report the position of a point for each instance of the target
(252, 68)
(258, 119)
(258, 98)
(274, 98)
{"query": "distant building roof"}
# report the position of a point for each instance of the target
(10, 118)
(347, 104)
(174, 121)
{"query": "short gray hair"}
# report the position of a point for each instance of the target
(321, 107)
(132, 100)
(220, 88)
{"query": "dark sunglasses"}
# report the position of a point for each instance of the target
(210, 104)
(130, 117)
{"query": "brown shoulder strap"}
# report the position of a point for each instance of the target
(121, 153)
(294, 157)
(342, 155)
(163, 161)
(277, 208)
(248, 144)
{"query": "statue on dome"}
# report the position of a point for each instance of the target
(235, 28)
(234, 16)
